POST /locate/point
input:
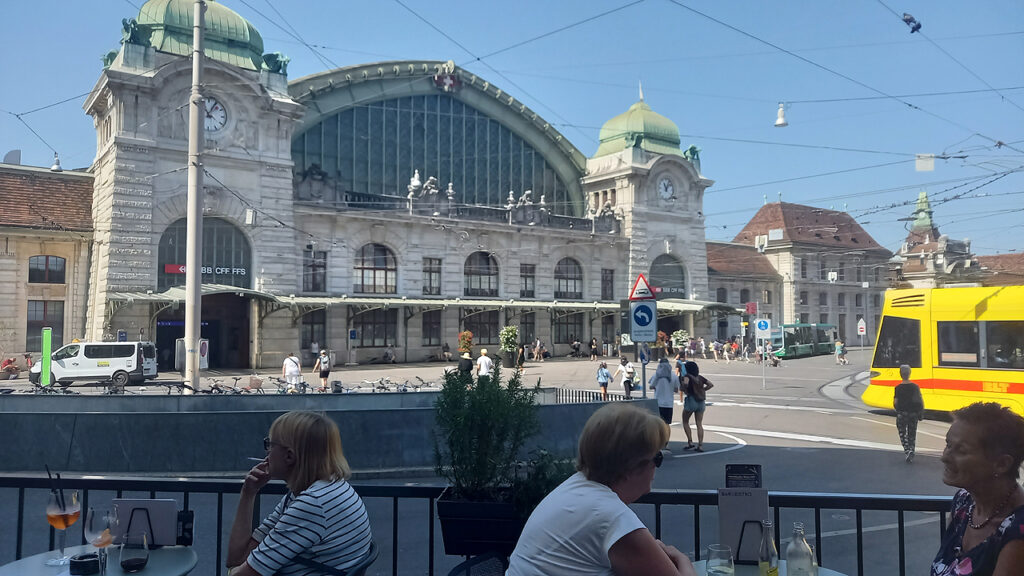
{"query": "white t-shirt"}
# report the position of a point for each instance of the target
(664, 390)
(291, 366)
(627, 370)
(572, 530)
(484, 365)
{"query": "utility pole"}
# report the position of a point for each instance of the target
(194, 214)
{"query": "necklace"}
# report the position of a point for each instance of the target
(1006, 500)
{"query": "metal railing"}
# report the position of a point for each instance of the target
(570, 396)
(196, 494)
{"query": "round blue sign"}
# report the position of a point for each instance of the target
(762, 324)
(643, 315)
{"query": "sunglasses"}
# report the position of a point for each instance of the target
(267, 443)
(658, 459)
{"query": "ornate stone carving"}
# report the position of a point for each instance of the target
(276, 62)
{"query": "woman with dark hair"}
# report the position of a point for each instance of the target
(585, 526)
(983, 454)
(321, 523)
(695, 387)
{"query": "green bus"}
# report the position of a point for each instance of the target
(798, 340)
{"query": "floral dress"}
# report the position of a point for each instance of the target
(980, 560)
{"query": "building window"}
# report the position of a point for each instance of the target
(43, 313)
(842, 326)
(607, 284)
(841, 299)
(46, 270)
(823, 318)
(527, 280)
(481, 276)
(805, 318)
(376, 271)
(568, 279)
(227, 255)
(822, 298)
(376, 328)
(842, 271)
(858, 300)
(822, 270)
(744, 295)
(860, 274)
(314, 329)
(568, 327)
(803, 267)
(432, 327)
(314, 271)
(721, 295)
(607, 330)
(432, 276)
(668, 274)
(527, 327)
(803, 298)
(767, 296)
(483, 325)
(878, 274)
(876, 300)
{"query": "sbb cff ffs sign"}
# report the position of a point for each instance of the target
(180, 269)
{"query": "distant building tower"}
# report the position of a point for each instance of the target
(929, 259)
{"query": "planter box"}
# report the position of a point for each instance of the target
(472, 528)
(508, 359)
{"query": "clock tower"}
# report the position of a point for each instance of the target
(640, 172)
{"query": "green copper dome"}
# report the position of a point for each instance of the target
(639, 126)
(167, 24)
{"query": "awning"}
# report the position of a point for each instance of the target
(177, 294)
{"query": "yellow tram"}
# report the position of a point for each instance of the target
(963, 345)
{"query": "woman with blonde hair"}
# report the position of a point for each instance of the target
(585, 526)
(321, 524)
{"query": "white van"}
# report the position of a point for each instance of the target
(116, 362)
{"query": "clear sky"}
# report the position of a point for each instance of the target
(717, 69)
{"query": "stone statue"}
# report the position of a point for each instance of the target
(430, 188)
(511, 202)
(451, 192)
(109, 58)
(129, 31)
(525, 199)
(606, 210)
(414, 186)
(543, 206)
(276, 62)
(693, 155)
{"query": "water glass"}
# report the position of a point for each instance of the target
(135, 551)
(720, 560)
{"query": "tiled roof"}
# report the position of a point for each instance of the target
(808, 225)
(1005, 269)
(37, 198)
(727, 259)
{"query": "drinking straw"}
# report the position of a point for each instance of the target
(61, 490)
(54, 485)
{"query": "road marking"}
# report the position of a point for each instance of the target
(771, 396)
(919, 431)
(813, 438)
(769, 378)
(739, 443)
(786, 407)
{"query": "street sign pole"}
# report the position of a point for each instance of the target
(764, 334)
(643, 321)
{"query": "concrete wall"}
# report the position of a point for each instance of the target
(149, 435)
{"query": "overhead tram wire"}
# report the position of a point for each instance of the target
(327, 62)
(809, 176)
(840, 74)
(954, 59)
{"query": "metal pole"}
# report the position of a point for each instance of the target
(764, 350)
(194, 214)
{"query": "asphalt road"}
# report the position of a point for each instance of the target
(804, 423)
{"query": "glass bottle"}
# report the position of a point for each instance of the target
(768, 555)
(799, 558)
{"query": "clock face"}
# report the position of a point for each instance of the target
(216, 115)
(665, 188)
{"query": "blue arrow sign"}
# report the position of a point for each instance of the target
(643, 320)
(642, 315)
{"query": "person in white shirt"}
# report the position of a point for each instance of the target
(585, 527)
(483, 365)
(665, 384)
(628, 371)
(291, 371)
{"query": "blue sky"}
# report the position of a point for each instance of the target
(718, 74)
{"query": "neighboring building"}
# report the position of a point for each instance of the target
(738, 274)
(928, 259)
(46, 229)
(1002, 269)
(833, 272)
(387, 204)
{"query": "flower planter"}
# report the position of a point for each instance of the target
(508, 359)
(472, 528)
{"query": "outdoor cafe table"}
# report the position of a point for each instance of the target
(166, 561)
(751, 570)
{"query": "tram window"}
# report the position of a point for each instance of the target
(1005, 344)
(899, 342)
(958, 344)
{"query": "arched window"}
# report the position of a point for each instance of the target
(568, 279)
(668, 275)
(721, 295)
(376, 270)
(227, 256)
(744, 295)
(481, 274)
(46, 270)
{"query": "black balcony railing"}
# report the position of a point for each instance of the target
(412, 513)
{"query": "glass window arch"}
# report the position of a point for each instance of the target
(568, 279)
(481, 275)
(376, 270)
(227, 254)
(46, 269)
(668, 274)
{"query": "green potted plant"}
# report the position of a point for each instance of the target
(508, 338)
(481, 430)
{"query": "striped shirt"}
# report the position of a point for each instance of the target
(326, 523)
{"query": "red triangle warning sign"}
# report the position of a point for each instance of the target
(641, 289)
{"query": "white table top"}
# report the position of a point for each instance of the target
(751, 570)
(166, 561)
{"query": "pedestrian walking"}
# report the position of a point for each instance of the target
(538, 350)
(696, 387)
(909, 407)
(466, 365)
(702, 347)
(603, 377)
(593, 349)
(521, 357)
(664, 385)
(627, 370)
(322, 365)
(839, 352)
(291, 371)
(483, 367)
(680, 370)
